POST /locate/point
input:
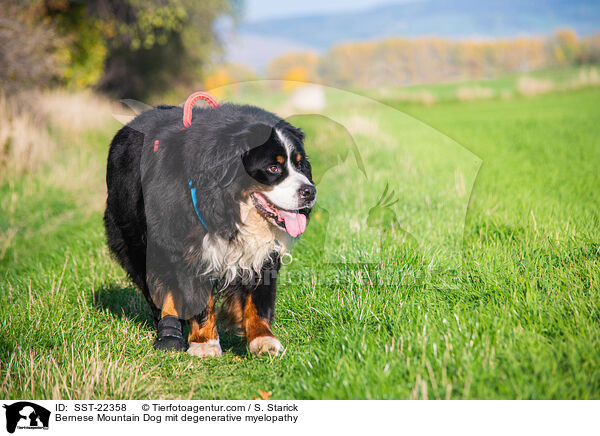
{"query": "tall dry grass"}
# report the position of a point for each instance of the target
(24, 139)
(468, 93)
(36, 375)
(586, 77)
(26, 120)
(424, 97)
(76, 112)
(529, 86)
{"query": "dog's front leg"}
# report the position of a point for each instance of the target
(203, 339)
(258, 332)
(180, 296)
(169, 329)
(257, 315)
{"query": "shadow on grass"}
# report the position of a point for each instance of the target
(124, 302)
(129, 303)
(232, 342)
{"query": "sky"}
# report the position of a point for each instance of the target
(261, 9)
(255, 45)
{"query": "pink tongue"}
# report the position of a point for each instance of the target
(295, 223)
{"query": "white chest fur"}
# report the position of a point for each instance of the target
(246, 254)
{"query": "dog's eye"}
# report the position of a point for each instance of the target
(274, 169)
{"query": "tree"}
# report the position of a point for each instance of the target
(564, 46)
(27, 49)
(589, 52)
(227, 74)
(131, 48)
(294, 67)
(160, 43)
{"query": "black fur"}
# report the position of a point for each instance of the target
(151, 224)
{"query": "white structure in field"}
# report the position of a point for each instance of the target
(308, 98)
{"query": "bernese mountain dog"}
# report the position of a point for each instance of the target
(201, 216)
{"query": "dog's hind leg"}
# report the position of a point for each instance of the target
(203, 339)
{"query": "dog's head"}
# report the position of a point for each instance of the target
(242, 157)
(281, 186)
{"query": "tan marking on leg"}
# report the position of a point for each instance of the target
(254, 326)
(168, 306)
(203, 339)
(258, 332)
(208, 329)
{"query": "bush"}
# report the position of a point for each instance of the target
(26, 49)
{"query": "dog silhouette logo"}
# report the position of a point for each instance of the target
(383, 216)
(26, 415)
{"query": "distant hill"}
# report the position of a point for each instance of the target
(449, 19)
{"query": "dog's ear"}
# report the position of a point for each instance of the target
(291, 130)
(253, 135)
(219, 174)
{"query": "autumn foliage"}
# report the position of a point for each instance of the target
(294, 67)
(397, 61)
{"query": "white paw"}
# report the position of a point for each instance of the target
(211, 348)
(265, 344)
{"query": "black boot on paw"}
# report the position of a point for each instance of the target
(170, 334)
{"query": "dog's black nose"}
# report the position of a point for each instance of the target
(307, 192)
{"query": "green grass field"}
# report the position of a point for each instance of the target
(498, 295)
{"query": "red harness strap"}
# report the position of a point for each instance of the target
(189, 105)
(187, 110)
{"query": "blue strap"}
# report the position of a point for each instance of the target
(195, 202)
